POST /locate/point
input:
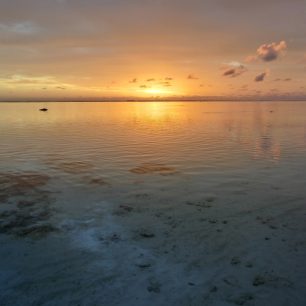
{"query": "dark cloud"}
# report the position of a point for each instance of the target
(165, 83)
(144, 86)
(234, 71)
(168, 78)
(260, 77)
(230, 71)
(192, 77)
(150, 80)
(133, 80)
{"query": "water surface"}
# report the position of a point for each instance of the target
(89, 190)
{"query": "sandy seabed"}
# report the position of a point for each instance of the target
(234, 242)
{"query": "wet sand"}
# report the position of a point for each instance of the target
(244, 246)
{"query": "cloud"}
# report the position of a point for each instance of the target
(234, 69)
(230, 71)
(165, 83)
(168, 78)
(260, 77)
(28, 80)
(192, 77)
(270, 52)
(250, 58)
(283, 80)
(143, 86)
(133, 80)
(150, 80)
(21, 28)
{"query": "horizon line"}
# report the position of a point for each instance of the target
(156, 99)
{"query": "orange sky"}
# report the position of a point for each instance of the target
(71, 49)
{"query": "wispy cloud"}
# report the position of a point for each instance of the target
(283, 80)
(19, 79)
(20, 28)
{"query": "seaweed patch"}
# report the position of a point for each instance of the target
(149, 168)
(25, 209)
(72, 167)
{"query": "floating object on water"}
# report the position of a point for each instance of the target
(43, 109)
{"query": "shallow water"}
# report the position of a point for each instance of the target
(84, 182)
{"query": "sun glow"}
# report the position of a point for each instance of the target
(156, 91)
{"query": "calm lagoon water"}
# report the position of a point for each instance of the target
(138, 203)
(113, 137)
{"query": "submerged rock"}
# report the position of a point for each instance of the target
(154, 287)
(241, 299)
(259, 280)
(235, 261)
(146, 233)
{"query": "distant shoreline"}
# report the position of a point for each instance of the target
(151, 100)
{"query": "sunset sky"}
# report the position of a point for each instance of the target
(149, 48)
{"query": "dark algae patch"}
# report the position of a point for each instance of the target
(25, 206)
(73, 167)
(151, 168)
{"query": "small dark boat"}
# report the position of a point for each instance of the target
(43, 109)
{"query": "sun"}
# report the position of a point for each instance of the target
(156, 91)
